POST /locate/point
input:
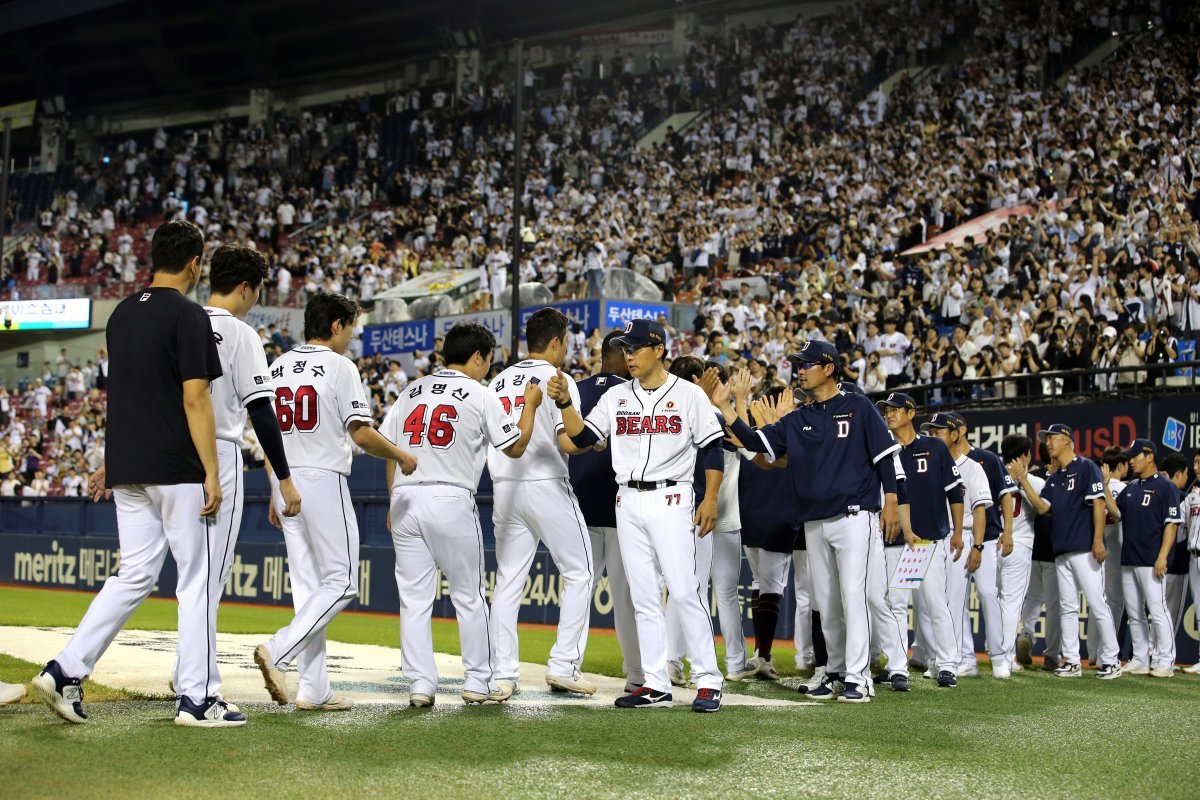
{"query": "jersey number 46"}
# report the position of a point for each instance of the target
(437, 425)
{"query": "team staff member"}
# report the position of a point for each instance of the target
(839, 456)
(1148, 510)
(534, 502)
(1114, 466)
(591, 479)
(1074, 497)
(931, 482)
(161, 465)
(449, 420)
(1043, 577)
(655, 425)
(1175, 468)
(1017, 566)
(1191, 504)
(321, 407)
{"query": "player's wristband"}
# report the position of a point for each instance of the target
(567, 404)
(978, 547)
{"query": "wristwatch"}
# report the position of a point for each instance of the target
(564, 405)
(978, 547)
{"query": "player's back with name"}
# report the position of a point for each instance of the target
(930, 474)
(447, 420)
(317, 394)
(245, 377)
(542, 460)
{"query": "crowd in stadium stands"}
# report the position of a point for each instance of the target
(781, 213)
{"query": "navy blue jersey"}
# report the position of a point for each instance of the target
(1000, 482)
(832, 450)
(1147, 506)
(1071, 492)
(699, 478)
(931, 480)
(767, 509)
(592, 472)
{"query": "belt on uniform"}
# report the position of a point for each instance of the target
(647, 486)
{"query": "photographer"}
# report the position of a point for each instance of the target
(951, 369)
(1162, 348)
(1030, 363)
(852, 370)
(875, 379)
(1102, 359)
(1129, 352)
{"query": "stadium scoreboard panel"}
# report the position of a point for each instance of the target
(45, 315)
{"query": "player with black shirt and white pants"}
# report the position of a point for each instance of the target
(321, 408)
(655, 424)
(534, 502)
(449, 421)
(161, 466)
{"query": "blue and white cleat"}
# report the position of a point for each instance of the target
(63, 695)
(707, 700)
(946, 679)
(213, 713)
(645, 697)
(853, 694)
(829, 689)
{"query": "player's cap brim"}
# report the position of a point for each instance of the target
(926, 427)
(1043, 435)
(634, 341)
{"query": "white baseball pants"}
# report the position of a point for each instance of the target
(726, 573)
(1014, 583)
(606, 557)
(1043, 588)
(931, 606)
(986, 580)
(524, 513)
(676, 637)
(322, 547)
(887, 635)
(1080, 572)
(1143, 592)
(1177, 590)
(897, 599)
(151, 519)
(656, 536)
(802, 586)
(1114, 578)
(770, 570)
(436, 526)
(839, 549)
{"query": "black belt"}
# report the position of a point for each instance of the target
(647, 486)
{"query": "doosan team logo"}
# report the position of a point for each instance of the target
(670, 405)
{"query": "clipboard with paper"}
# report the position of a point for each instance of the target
(913, 565)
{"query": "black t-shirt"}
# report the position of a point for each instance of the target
(157, 339)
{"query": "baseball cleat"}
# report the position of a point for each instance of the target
(1049, 664)
(900, 682)
(11, 693)
(946, 679)
(817, 679)
(1025, 650)
(1194, 669)
(496, 694)
(853, 694)
(766, 669)
(1136, 668)
(917, 664)
(645, 697)
(1068, 670)
(1160, 672)
(1001, 670)
(749, 670)
(881, 677)
(968, 669)
(879, 663)
(510, 686)
(273, 678)
(228, 705)
(830, 688)
(576, 684)
(419, 700)
(707, 700)
(675, 673)
(212, 713)
(1016, 666)
(631, 687)
(1108, 672)
(927, 674)
(336, 702)
(64, 695)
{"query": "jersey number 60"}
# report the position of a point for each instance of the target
(438, 425)
(296, 409)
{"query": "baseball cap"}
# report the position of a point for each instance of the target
(642, 332)
(957, 418)
(816, 351)
(1141, 447)
(942, 420)
(1059, 428)
(897, 400)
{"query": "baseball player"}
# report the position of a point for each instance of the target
(11, 693)
(1074, 497)
(591, 479)
(1043, 576)
(931, 482)
(978, 497)
(1148, 510)
(236, 274)
(1114, 466)
(534, 502)
(1191, 505)
(1015, 568)
(1175, 468)
(449, 420)
(161, 466)
(321, 408)
(655, 425)
(839, 456)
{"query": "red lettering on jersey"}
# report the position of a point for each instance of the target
(676, 425)
(621, 426)
(660, 424)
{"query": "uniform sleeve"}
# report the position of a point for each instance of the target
(950, 475)
(1093, 480)
(1002, 481)
(390, 428)
(351, 398)
(556, 412)
(880, 442)
(498, 427)
(1173, 513)
(706, 428)
(599, 419)
(979, 493)
(196, 353)
(774, 436)
(252, 376)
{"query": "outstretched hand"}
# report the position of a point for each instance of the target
(556, 388)
(739, 386)
(709, 382)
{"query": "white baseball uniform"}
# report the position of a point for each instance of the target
(534, 502)
(318, 394)
(653, 436)
(1177, 584)
(1113, 589)
(447, 420)
(1015, 569)
(1192, 505)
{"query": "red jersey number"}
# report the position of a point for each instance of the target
(509, 405)
(296, 410)
(436, 425)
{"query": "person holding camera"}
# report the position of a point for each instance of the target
(1129, 351)
(875, 378)
(1161, 349)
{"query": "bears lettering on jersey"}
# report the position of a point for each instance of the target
(638, 425)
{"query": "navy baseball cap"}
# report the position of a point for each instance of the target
(943, 420)
(897, 400)
(640, 332)
(815, 351)
(1139, 447)
(850, 387)
(1059, 428)
(957, 418)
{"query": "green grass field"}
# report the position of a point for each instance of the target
(1036, 734)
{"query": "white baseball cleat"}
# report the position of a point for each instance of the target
(575, 684)
(496, 694)
(1194, 669)
(1135, 668)
(419, 700)
(62, 693)
(1162, 672)
(1016, 666)
(273, 677)
(1109, 672)
(1001, 670)
(766, 669)
(675, 673)
(512, 687)
(748, 671)
(968, 669)
(336, 702)
(11, 693)
(212, 713)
